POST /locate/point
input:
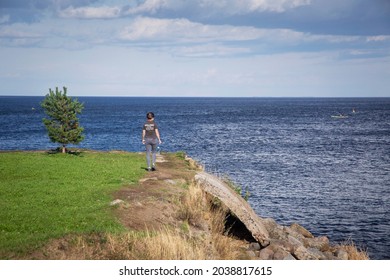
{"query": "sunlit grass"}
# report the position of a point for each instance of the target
(46, 196)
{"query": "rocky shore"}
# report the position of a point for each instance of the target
(273, 241)
(181, 212)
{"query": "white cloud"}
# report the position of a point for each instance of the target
(4, 19)
(180, 36)
(103, 12)
(249, 6)
(224, 7)
(332, 39)
(152, 6)
(19, 30)
(183, 30)
(208, 50)
(378, 38)
(184, 37)
(136, 54)
(20, 35)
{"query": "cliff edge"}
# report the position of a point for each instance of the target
(274, 242)
(182, 212)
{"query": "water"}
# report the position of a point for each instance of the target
(298, 163)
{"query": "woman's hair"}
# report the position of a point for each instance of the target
(150, 115)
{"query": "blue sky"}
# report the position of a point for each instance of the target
(264, 48)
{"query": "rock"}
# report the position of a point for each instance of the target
(280, 248)
(147, 179)
(116, 202)
(301, 230)
(321, 243)
(281, 254)
(275, 230)
(304, 254)
(329, 255)
(273, 240)
(251, 254)
(294, 241)
(289, 257)
(236, 204)
(276, 244)
(341, 254)
(193, 164)
(317, 253)
(266, 254)
(292, 233)
(254, 246)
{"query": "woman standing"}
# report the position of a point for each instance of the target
(151, 138)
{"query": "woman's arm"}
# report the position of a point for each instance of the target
(158, 136)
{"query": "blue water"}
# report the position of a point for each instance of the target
(298, 163)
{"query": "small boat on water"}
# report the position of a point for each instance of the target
(339, 116)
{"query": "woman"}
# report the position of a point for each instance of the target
(151, 138)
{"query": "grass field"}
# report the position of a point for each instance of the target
(44, 196)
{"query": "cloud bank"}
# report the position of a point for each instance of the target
(221, 45)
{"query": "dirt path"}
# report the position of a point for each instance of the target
(151, 204)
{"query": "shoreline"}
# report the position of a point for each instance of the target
(179, 176)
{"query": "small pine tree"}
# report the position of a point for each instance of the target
(62, 125)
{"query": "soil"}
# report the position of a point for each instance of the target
(151, 204)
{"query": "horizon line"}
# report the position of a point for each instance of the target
(172, 96)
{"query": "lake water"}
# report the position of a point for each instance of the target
(299, 164)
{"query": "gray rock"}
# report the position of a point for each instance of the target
(116, 202)
(321, 243)
(304, 254)
(341, 254)
(316, 253)
(294, 241)
(281, 254)
(251, 254)
(282, 244)
(236, 204)
(329, 255)
(266, 254)
(301, 230)
(254, 246)
(290, 232)
(289, 257)
(275, 231)
(273, 241)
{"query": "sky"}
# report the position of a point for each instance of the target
(226, 48)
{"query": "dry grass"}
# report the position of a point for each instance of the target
(193, 206)
(354, 253)
(200, 234)
(203, 237)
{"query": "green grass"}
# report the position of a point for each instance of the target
(44, 196)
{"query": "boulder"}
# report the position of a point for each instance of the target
(254, 246)
(273, 241)
(341, 254)
(302, 253)
(301, 230)
(281, 254)
(321, 243)
(266, 254)
(237, 205)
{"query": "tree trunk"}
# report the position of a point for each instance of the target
(63, 149)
